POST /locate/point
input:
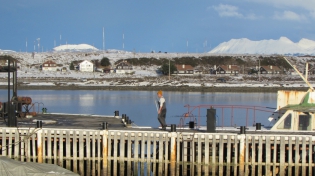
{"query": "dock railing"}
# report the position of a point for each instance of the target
(129, 152)
(226, 113)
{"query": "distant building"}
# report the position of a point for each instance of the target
(200, 70)
(184, 69)
(86, 66)
(123, 67)
(227, 69)
(64, 69)
(49, 66)
(270, 69)
(107, 70)
(291, 72)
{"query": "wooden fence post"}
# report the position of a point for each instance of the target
(39, 146)
(242, 154)
(105, 151)
(173, 153)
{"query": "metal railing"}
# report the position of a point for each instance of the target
(221, 110)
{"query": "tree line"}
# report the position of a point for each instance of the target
(204, 61)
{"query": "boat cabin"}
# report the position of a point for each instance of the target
(295, 111)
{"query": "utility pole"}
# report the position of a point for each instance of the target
(259, 70)
(169, 69)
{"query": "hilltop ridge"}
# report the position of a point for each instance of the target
(283, 46)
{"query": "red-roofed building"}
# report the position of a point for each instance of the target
(270, 69)
(124, 67)
(184, 69)
(228, 69)
(49, 66)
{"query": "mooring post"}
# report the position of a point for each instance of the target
(39, 146)
(242, 154)
(173, 153)
(105, 151)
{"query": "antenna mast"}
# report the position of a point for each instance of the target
(305, 80)
(26, 45)
(187, 45)
(123, 41)
(38, 44)
(103, 40)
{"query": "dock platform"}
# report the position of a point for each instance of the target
(94, 122)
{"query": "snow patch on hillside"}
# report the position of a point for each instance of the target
(80, 47)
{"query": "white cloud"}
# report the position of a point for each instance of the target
(252, 16)
(305, 7)
(227, 10)
(289, 15)
(305, 4)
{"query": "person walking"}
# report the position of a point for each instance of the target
(161, 110)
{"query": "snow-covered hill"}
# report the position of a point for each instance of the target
(6, 51)
(80, 47)
(282, 46)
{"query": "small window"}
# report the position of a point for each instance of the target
(286, 123)
(305, 122)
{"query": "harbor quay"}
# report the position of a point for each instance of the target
(105, 145)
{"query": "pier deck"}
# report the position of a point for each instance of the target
(94, 122)
(69, 121)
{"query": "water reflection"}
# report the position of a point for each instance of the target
(140, 106)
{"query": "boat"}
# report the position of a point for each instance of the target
(295, 109)
(295, 112)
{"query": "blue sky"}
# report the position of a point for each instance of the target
(159, 25)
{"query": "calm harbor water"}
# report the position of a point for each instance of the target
(140, 105)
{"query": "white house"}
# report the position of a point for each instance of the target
(86, 66)
(49, 66)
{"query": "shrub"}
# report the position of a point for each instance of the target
(105, 62)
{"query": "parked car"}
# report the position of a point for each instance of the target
(222, 80)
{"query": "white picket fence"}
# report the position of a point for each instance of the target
(127, 152)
